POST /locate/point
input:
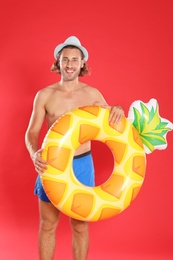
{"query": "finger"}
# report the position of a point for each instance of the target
(116, 118)
(41, 160)
(39, 156)
(39, 170)
(113, 118)
(40, 167)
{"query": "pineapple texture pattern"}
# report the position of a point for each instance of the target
(62, 187)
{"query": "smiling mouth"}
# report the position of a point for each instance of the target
(69, 72)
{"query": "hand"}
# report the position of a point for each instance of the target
(39, 163)
(116, 114)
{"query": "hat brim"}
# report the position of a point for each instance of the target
(62, 45)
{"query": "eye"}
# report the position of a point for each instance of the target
(75, 59)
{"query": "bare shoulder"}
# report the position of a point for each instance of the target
(91, 89)
(94, 92)
(94, 95)
(48, 89)
(46, 92)
(42, 96)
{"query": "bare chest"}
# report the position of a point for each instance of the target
(59, 104)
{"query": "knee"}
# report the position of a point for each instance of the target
(48, 225)
(79, 226)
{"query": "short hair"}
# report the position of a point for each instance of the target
(85, 70)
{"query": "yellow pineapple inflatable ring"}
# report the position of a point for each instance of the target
(60, 184)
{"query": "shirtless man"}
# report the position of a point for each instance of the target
(49, 104)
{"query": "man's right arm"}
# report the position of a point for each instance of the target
(33, 130)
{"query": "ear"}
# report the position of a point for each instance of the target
(58, 62)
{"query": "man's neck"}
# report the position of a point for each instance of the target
(69, 85)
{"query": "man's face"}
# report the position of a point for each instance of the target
(70, 63)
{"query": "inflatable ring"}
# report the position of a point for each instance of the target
(60, 184)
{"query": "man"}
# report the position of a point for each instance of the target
(50, 103)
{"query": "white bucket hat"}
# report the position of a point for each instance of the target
(74, 41)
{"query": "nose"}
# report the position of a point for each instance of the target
(69, 63)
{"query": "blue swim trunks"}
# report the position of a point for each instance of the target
(83, 168)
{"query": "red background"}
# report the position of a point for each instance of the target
(130, 46)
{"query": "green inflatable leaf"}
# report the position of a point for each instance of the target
(151, 127)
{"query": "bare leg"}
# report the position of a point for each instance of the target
(49, 218)
(80, 240)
